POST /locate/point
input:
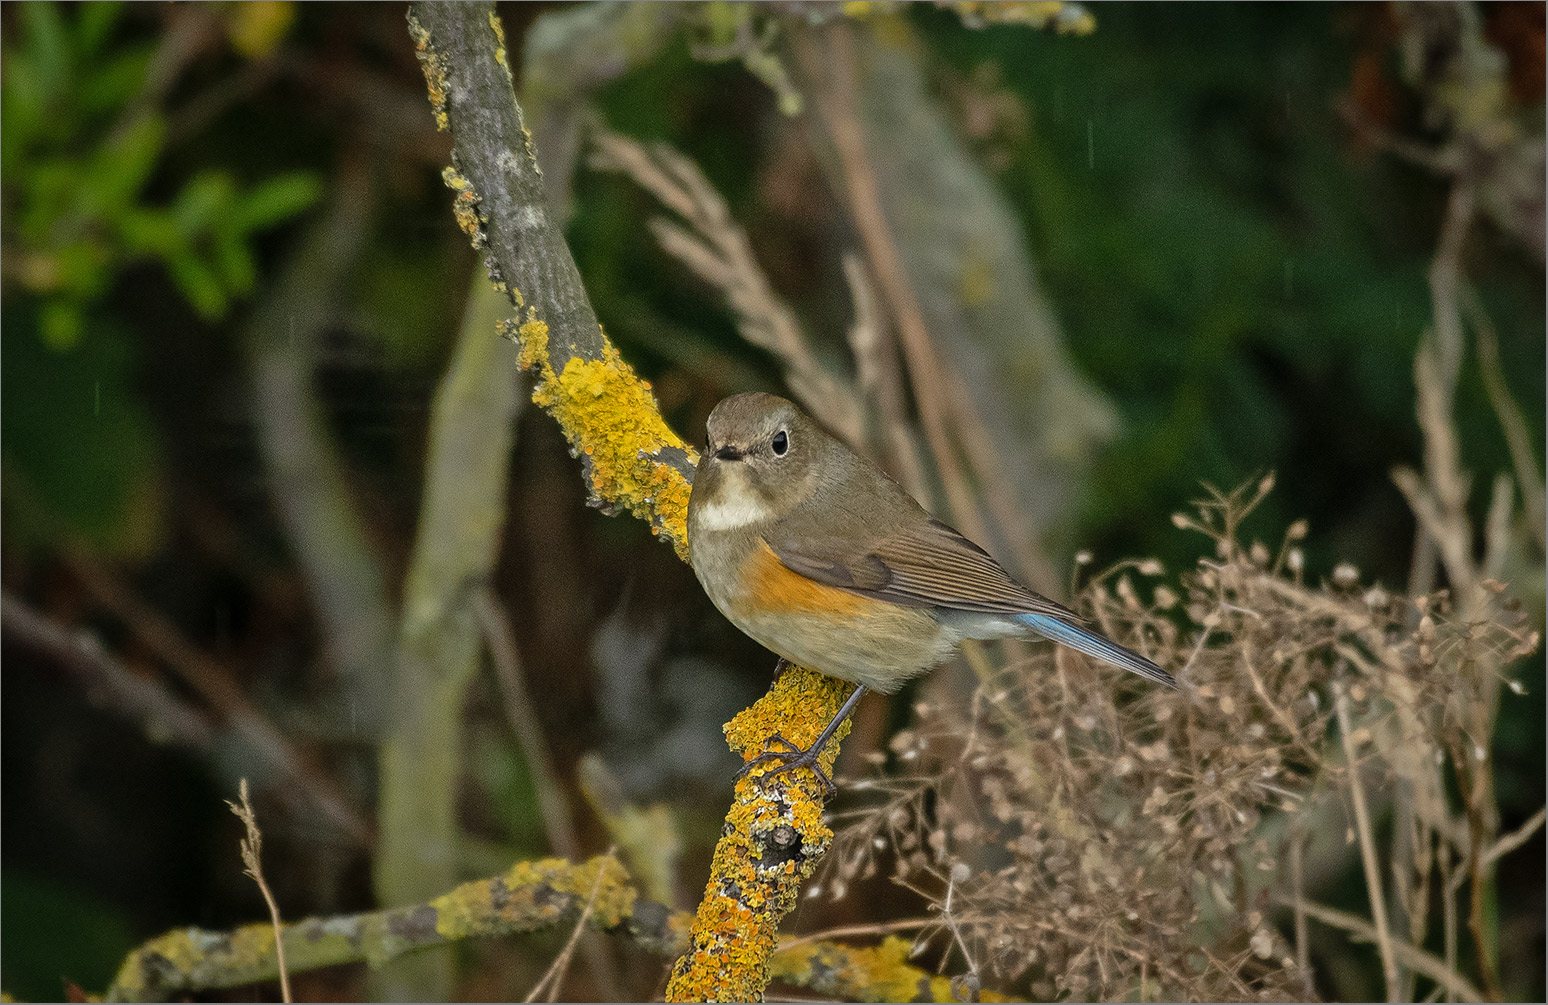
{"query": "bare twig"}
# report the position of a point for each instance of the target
(554, 977)
(1517, 438)
(218, 687)
(163, 716)
(1414, 958)
(1373, 883)
(252, 847)
(553, 806)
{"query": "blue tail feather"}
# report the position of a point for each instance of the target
(1095, 646)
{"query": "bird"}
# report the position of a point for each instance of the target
(815, 553)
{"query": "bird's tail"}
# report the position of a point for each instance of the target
(1095, 646)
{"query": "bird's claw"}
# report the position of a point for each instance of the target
(794, 757)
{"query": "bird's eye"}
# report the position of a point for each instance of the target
(781, 443)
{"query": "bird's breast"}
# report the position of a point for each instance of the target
(842, 634)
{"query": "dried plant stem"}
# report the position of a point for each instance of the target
(1516, 838)
(1449, 916)
(1302, 947)
(1517, 437)
(832, 63)
(1414, 958)
(252, 845)
(561, 965)
(553, 806)
(846, 931)
(1373, 885)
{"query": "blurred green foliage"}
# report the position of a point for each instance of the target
(79, 149)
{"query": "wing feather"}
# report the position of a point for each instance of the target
(926, 564)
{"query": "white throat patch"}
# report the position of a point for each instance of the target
(736, 509)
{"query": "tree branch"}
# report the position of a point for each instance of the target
(528, 897)
(631, 459)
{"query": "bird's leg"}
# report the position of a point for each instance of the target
(780, 666)
(794, 757)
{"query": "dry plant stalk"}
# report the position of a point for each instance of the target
(1082, 836)
(252, 844)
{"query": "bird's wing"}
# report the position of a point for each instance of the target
(925, 564)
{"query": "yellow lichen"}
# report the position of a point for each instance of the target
(514, 899)
(498, 27)
(1065, 18)
(465, 207)
(609, 414)
(737, 922)
(876, 973)
(434, 70)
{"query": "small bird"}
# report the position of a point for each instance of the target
(812, 551)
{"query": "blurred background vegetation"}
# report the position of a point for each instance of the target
(225, 234)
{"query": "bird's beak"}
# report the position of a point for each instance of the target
(728, 453)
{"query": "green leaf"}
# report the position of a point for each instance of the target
(203, 201)
(274, 200)
(200, 285)
(235, 264)
(151, 232)
(22, 100)
(118, 171)
(113, 82)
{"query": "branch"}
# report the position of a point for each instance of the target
(108, 684)
(631, 459)
(315, 504)
(472, 427)
(773, 838)
(529, 897)
(223, 692)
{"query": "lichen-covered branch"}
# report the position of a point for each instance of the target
(529, 896)
(772, 841)
(632, 461)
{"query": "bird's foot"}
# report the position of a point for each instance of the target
(794, 757)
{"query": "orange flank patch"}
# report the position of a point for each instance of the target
(769, 585)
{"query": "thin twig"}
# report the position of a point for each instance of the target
(164, 717)
(1302, 946)
(553, 807)
(844, 931)
(220, 688)
(556, 970)
(252, 846)
(1373, 886)
(1414, 958)
(1517, 438)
